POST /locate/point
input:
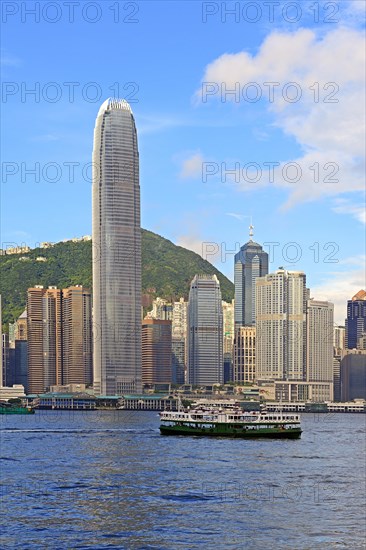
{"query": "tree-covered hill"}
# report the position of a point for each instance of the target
(167, 271)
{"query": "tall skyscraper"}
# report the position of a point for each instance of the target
(1, 345)
(156, 351)
(116, 251)
(319, 341)
(356, 319)
(281, 299)
(205, 331)
(59, 338)
(44, 310)
(250, 262)
(77, 336)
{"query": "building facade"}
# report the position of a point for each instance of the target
(156, 351)
(116, 251)
(319, 341)
(356, 319)
(178, 360)
(281, 301)
(353, 375)
(244, 355)
(44, 328)
(77, 336)
(249, 263)
(205, 331)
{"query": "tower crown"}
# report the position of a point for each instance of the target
(114, 104)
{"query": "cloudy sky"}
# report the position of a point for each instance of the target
(250, 110)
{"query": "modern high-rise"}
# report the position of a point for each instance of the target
(178, 360)
(353, 375)
(77, 336)
(249, 263)
(156, 351)
(319, 341)
(44, 310)
(1, 345)
(116, 251)
(281, 300)
(205, 331)
(244, 355)
(356, 319)
(179, 320)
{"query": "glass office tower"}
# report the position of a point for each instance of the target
(116, 251)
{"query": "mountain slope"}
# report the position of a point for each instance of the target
(167, 271)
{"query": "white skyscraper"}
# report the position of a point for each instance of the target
(281, 326)
(319, 341)
(116, 251)
(205, 331)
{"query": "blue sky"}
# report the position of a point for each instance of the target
(160, 56)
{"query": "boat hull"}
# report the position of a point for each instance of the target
(224, 431)
(16, 410)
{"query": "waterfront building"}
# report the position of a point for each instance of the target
(44, 310)
(300, 391)
(337, 377)
(319, 341)
(356, 319)
(244, 355)
(281, 300)
(21, 364)
(116, 251)
(178, 360)
(205, 331)
(249, 263)
(77, 336)
(59, 346)
(156, 351)
(353, 375)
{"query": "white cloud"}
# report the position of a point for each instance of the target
(358, 211)
(239, 217)
(329, 129)
(340, 286)
(192, 166)
(7, 60)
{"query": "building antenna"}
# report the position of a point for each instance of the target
(251, 227)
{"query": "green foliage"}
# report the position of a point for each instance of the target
(167, 271)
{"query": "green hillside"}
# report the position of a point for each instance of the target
(167, 271)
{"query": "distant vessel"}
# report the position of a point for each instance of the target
(230, 422)
(12, 408)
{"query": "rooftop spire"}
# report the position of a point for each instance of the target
(251, 228)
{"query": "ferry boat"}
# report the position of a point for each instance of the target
(230, 422)
(12, 408)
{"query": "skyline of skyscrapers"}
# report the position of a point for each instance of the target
(205, 331)
(59, 345)
(116, 251)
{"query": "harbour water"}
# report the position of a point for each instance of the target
(108, 479)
